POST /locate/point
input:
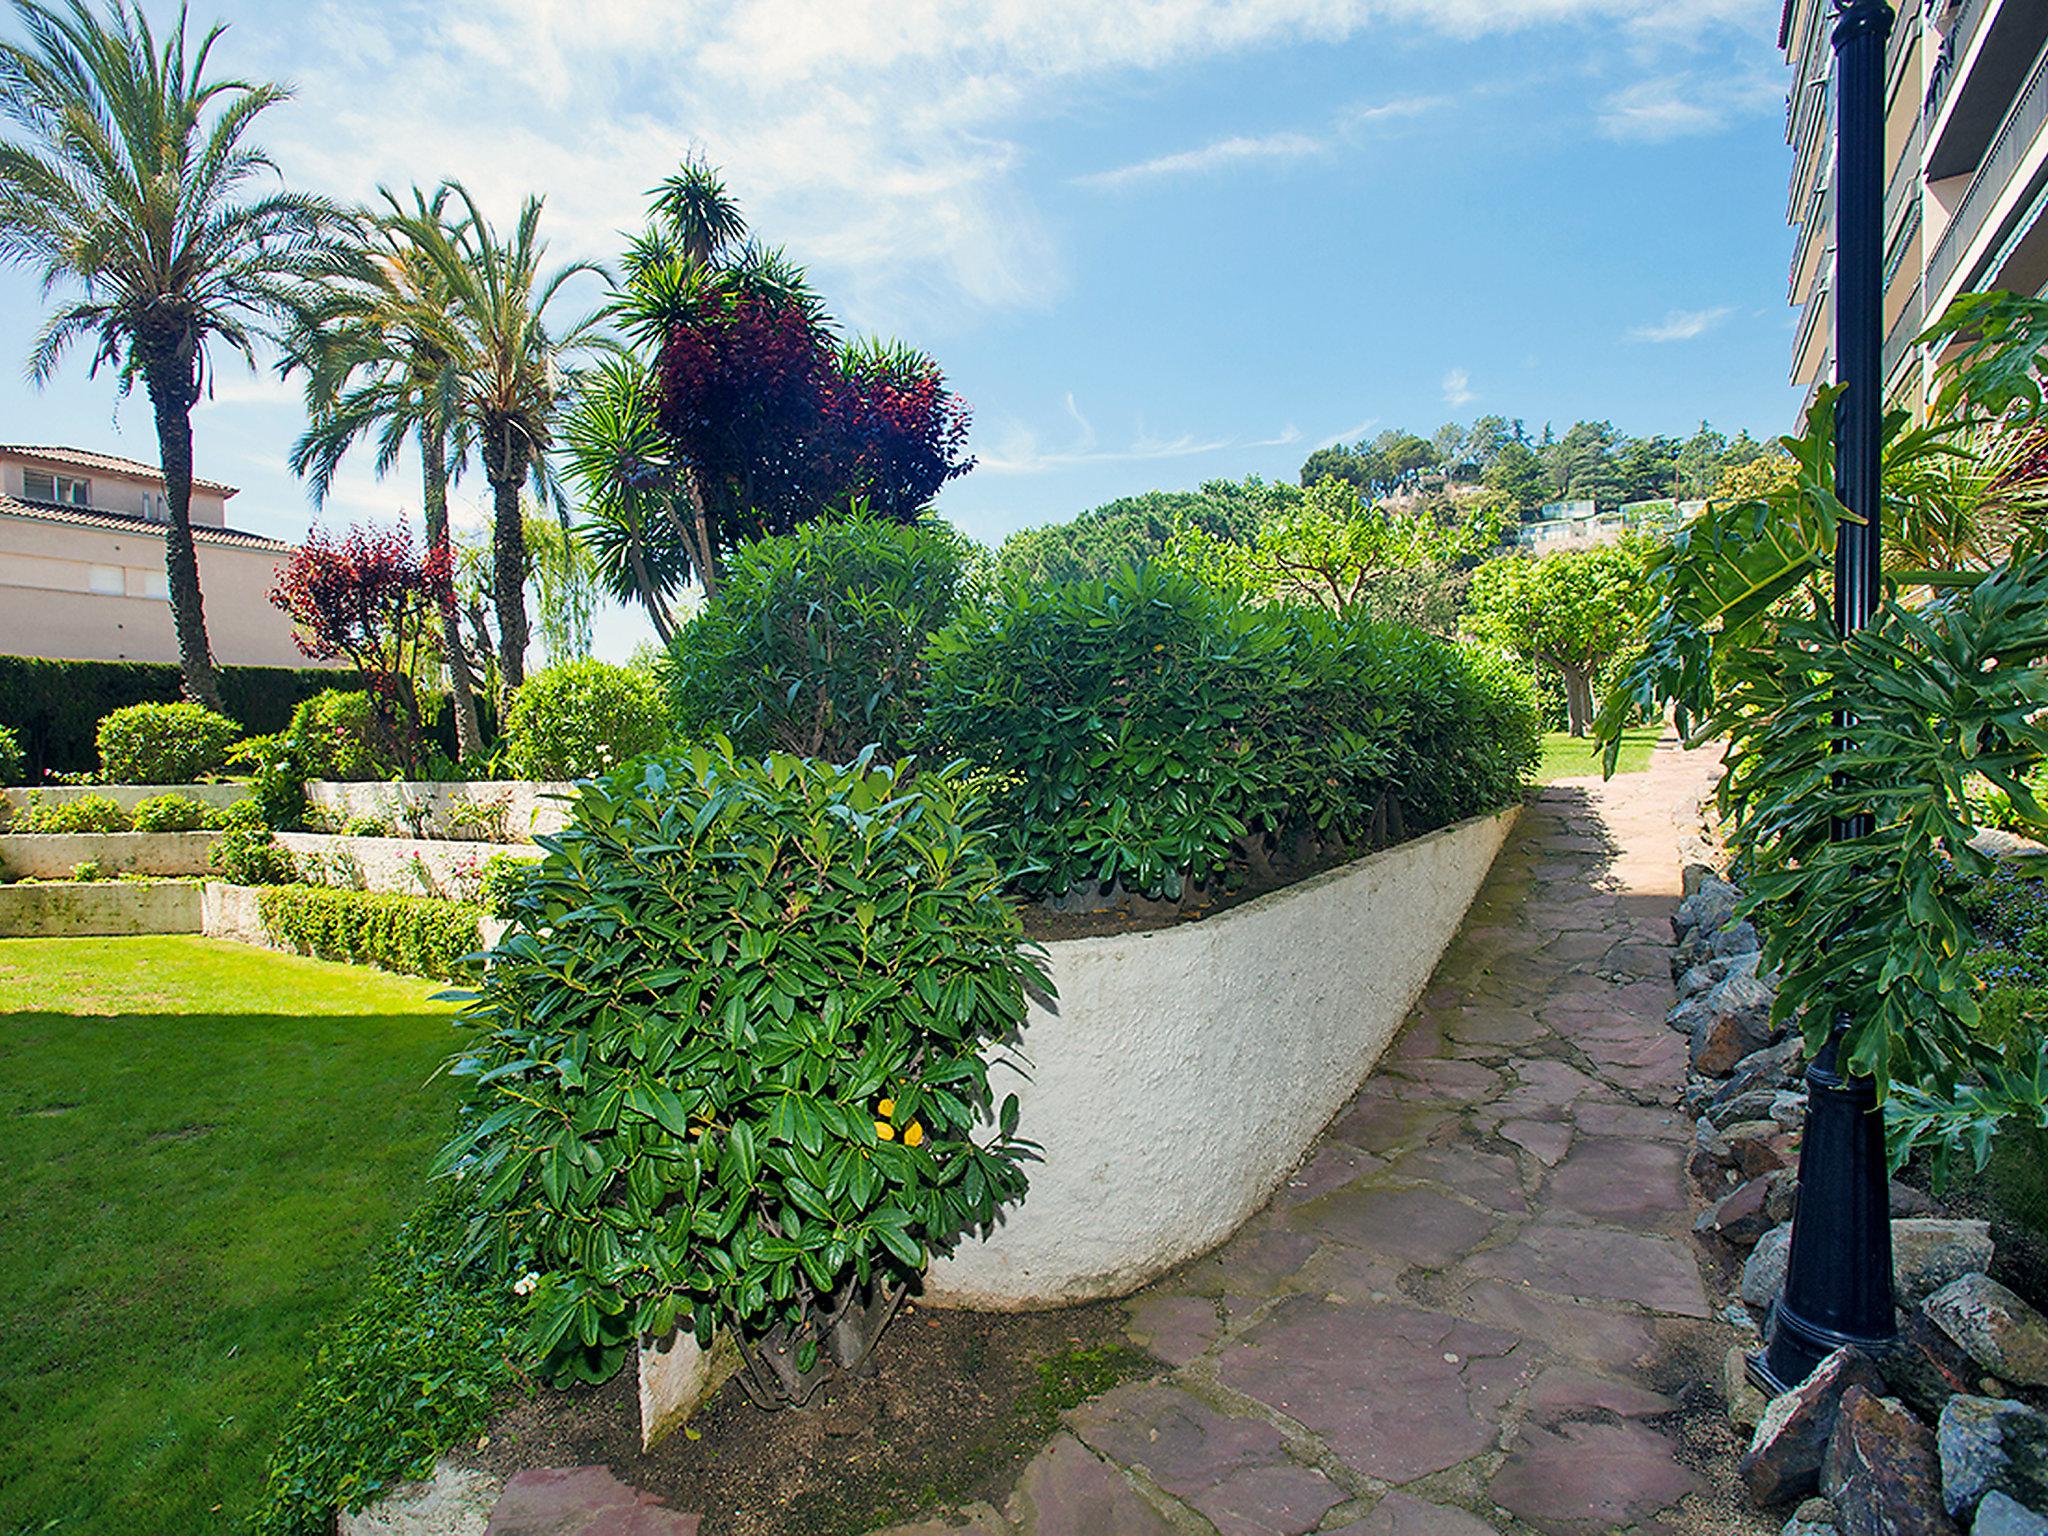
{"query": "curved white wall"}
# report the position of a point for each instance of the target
(1183, 1073)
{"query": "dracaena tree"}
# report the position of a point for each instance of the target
(129, 183)
(370, 598)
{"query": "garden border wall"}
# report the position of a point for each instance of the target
(529, 806)
(1183, 1072)
(53, 855)
(451, 869)
(127, 796)
(72, 909)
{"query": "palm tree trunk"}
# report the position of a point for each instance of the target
(650, 598)
(469, 738)
(508, 560)
(170, 392)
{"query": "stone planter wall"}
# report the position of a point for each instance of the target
(1183, 1072)
(53, 855)
(127, 796)
(91, 909)
(415, 866)
(522, 806)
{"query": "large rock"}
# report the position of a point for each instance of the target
(1709, 906)
(1791, 1440)
(2001, 1332)
(1709, 974)
(1741, 1217)
(1775, 1066)
(1763, 1272)
(1999, 1515)
(1928, 1252)
(1882, 1472)
(1926, 1367)
(1816, 1517)
(1736, 1023)
(1760, 1147)
(1991, 1445)
(1735, 939)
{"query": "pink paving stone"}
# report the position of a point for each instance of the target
(1643, 1122)
(1544, 1140)
(1588, 1478)
(1494, 1181)
(1494, 1026)
(1330, 1166)
(1595, 1264)
(1177, 1440)
(1177, 1329)
(1376, 1122)
(1630, 1183)
(1281, 1500)
(582, 1501)
(1423, 1038)
(1565, 1392)
(1399, 1514)
(1567, 1329)
(1067, 1492)
(1415, 1225)
(1465, 1081)
(1396, 1393)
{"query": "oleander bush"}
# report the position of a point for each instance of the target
(1150, 730)
(416, 935)
(335, 735)
(413, 1366)
(583, 718)
(13, 761)
(82, 813)
(164, 743)
(815, 642)
(728, 1059)
(173, 813)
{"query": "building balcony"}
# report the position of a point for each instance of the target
(1981, 69)
(2001, 188)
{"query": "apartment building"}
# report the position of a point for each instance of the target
(1966, 147)
(82, 564)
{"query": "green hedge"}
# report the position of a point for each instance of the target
(55, 706)
(417, 935)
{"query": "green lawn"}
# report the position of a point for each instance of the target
(204, 1145)
(1577, 757)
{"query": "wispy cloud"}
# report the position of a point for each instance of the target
(1672, 106)
(1682, 324)
(1350, 434)
(1236, 150)
(1018, 450)
(1458, 388)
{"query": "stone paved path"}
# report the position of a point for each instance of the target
(1477, 1307)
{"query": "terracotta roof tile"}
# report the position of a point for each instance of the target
(127, 522)
(85, 458)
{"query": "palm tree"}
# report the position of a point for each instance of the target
(112, 185)
(380, 359)
(617, 454)
(507, 380)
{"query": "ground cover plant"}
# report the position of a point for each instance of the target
(728, 1062)
(77, 813)
(205, 1144)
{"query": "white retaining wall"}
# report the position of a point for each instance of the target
(423, 866)
(522, 806)
(1183, 1073)
(75, 910)
(54, 855)
(127, 796)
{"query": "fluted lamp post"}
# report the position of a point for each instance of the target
(1838, 1281)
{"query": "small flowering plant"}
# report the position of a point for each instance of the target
(729, 1060)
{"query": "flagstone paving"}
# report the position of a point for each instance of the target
(1477, 1306)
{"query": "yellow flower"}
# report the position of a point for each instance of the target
(885, 1130)
(887, 1109)
(914, 1137)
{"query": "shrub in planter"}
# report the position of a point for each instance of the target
(501, 882)
(583, 718)
(1151, 730)
(728, 1059)
(335, 735)
(86, 813)
(173, 813)
(164, 743)
(247, 854)
(814, 643)
(13, 762)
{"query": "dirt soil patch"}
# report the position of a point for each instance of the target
(958, 1403)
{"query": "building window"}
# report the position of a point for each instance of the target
(157, 585)
(156, 506)
(107, 581)
(64, 490)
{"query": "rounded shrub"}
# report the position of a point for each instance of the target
(81, 813)
(815, 641)
(728, 1059)
(583, 718)
(164, 743)
(1150, 730)
(335, 735)
(172, 813)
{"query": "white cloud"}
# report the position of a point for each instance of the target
(1683, 324)
(1458, 388)
(1213, 156)
(1671, 106)
(1019, 451)
(1350, 434)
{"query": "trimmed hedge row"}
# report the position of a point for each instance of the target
(56, 706)
(417, 935)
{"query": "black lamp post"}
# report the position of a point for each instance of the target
(1838, 1282)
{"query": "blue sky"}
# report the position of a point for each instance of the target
(1152, 242)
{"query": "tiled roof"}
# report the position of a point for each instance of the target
(85, 458)
(128, 522)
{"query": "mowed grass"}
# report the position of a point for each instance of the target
(1578, 757)
(204, 1144)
